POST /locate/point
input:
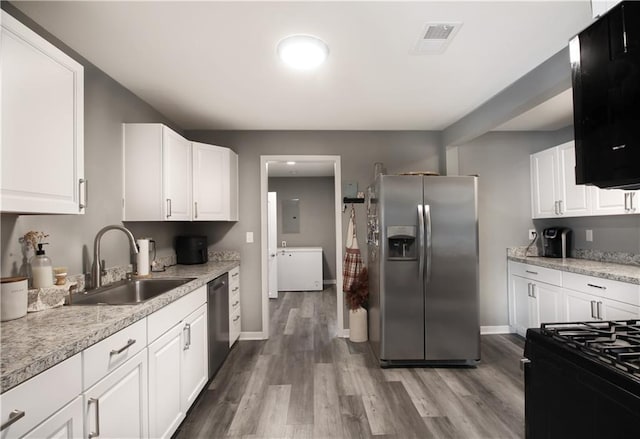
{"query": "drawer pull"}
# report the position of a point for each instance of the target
(123, 348)
(599, 308)
(97, 402)
(187, 341)
(531, 272)
(235, 274)
(597, 286)
(236, 319)
(236, 303)
(235, 289)
(14, 416)
(593, 309)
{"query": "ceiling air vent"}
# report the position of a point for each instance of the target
(435, 38)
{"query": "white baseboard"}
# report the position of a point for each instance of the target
(345, 333)
(255, 335)
(499, 329)
(329, 282)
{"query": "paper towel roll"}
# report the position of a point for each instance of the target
(142, 258)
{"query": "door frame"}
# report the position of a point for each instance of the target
(264, 186)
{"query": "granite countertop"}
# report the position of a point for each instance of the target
(40, 340)
(601, 269)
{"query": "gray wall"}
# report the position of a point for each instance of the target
(359, 150)
(107, 104)
(317, 216)
(501, 160)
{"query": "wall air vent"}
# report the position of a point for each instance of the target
(435, 38)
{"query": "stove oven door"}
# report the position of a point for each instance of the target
(565, 400)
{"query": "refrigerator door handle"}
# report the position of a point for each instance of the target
(421, 240)
(427, 231)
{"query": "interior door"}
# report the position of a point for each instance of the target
(272, 243)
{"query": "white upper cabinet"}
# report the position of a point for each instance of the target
(614, 201)
(156, 173)
(42, 125)
(554, 192)
(215, 183)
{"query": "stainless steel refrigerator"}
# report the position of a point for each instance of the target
(423, 270)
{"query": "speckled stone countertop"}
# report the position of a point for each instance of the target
(40, 340)
(602, 269)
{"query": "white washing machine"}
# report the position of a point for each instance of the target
(300, 269)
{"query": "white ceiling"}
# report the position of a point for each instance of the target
(213, 65)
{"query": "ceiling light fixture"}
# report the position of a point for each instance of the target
(303, 52)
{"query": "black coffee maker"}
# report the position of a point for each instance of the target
(556, 242)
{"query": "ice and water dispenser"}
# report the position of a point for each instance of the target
(401, 241)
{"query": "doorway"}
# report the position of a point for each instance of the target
(273, 161)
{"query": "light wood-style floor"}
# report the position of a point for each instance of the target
(305, 383)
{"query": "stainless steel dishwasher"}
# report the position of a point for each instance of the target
(218, 308)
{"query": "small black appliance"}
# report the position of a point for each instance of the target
(555, 242)
(191, 250)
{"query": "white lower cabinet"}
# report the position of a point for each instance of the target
(66, 423)
(116, 407)
(178, 361)
(533, 302)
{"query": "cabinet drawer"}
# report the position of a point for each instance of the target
(107, 355)
(41, 396)
(535, 272)
(610, 289)
(165, 318)
(235, 323)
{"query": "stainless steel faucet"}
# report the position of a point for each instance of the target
(96, 269)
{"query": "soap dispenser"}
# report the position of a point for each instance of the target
(41, 269)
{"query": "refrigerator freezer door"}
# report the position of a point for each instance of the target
(451, 284)
(401, 298)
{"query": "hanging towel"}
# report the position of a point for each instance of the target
(352, 258)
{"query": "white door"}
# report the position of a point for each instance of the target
(574, 198)
(548, 306)
(272, 243)
(520, 314)
(119, 402)
(544, 184)
(66, 423)
(210, 182)
(176, 164)
(195, 357)
(165, 408)
(580, 307)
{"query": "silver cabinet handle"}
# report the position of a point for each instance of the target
(626, 201)
(236, 303)
(631, 206)
(14, 416)
(560, 207)
(97, 402)
(237, 272)
(83, 195)
(196, 208)
(599, 309)
(529, 289)
(555, 207)
(130, 342)
(168, 207)
(187, 330)
(235, 289)
(531, 272)
(593, 309)
(236, 319)
(533, 290)
(524, 362)
(600, 287)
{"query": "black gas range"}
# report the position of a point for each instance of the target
(582, 380)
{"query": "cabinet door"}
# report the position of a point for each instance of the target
(580, 306)
(612, 310)
(544, 184)
(165, 409)
(519, 293)
(195, 357)
(176, 166)
(608, 201)
(66, 423)
(119, 402)
(574, 198)
(42, 124)
(547, 303)
(210, 182)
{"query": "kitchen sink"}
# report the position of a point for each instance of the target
(129, 292)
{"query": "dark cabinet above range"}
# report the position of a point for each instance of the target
(605, 70)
